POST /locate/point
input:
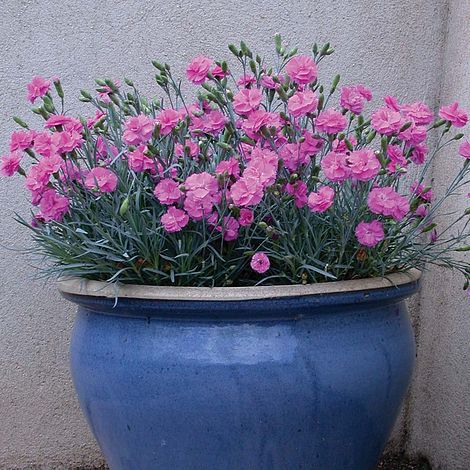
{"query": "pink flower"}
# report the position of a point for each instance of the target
(397, 159)
(246, 217)
(190, 148)
(10, 164)
(246, 80)
(167, 191)
(386, 201)
(418, 112)
(139, 162)
(197, 69)
(53, 206)
(455, 115)
(414, 134)
(101, 179)
(335, 167)
(138, 129)
(392, 103)
(174, 220)
(230, 228)
(311, 145)
(43, 144)
(91, 121)
(302, 69)
(168, 119)
(464, 149)
(265, 162)
(229, 167)
(321, 200)
(50, 165)
(68, 123)
(363, 164)
(330, 121)
(218, 72)
(260, 262)
(247, 100)
(255, 121)
(353, 98)
(202, 192)
(302, 103)
(36, 181)
(21, 140)
(248, 190)
(268, 82)
(370, 233)
(418, 154)
(293, 156)
(212, 122)
(37, 88)
(66, 141)
(424, 193)
(299, 191)
(386, 122)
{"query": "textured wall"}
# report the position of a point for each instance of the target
(393, 46)
(440, 405)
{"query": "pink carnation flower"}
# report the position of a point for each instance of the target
(330, 121)
(21, 140)
(321, 200)
(418, 154)
(414, 134)
(299, 191)
(53, 206)
(248, 190)
(168, 120)
(43, 144)
(67, 123)
(66, 141)
(138, 129)
(293, 156)
(247, 100)
(418, 112)
(37, 88)
(302, 69)
(353, 98)
(202, 192)
(218, 72)
(197, 69)
(36, 181)
(260, 262)
(397, 159)
(268, 82)
(335, 167)
(386, 122)
(10, 164)
(455, 115)
(265, 162)
(167, 191)
(139, 162)
(363, 164)
(464, 149)
(101, 179)
(230, 227)
(174, 220)
(424, 193)
(246, 80)
(230, 167)
(386, 201)
(370, 233)
(302, 102)
(255, 121)
(190, 148)
(246, 217)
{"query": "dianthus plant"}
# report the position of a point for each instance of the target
(264, 177)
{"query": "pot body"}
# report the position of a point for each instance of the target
(297, 383)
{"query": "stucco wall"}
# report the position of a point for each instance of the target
(440, 404)
(394, 47)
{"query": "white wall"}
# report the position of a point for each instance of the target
(394, 47)
(440, 405)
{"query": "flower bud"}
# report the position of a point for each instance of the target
(20, 122)
(124, 207)
(59, 89)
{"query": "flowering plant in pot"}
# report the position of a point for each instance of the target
(240, 260)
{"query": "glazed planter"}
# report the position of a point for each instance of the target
(285, 377)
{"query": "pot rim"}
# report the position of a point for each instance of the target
(86, 287)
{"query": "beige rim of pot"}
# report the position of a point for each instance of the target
(80, 286)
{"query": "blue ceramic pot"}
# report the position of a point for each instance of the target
(309, 381)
